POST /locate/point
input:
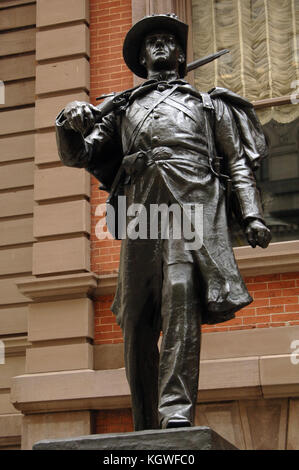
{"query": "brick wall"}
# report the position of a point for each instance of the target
(106, 329)
(109, 22)
(275, 303)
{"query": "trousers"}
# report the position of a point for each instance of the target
(164, 383)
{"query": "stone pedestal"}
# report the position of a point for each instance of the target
(195, 438)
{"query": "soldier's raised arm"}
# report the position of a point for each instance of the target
(81, 133)
(80, 116)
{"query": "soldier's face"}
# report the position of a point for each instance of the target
(161, 51)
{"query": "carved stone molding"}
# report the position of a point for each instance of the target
(10, 431)
(221, 380)
(59, 287)
(277, 258)
(15, 346)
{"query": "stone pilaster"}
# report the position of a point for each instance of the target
(60, 316)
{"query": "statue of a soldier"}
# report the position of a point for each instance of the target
(164, 142)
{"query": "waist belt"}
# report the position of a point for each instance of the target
(136, 162)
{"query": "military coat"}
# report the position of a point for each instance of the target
(167, 154)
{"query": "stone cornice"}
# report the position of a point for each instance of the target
(59, 287)
(106, 284)
(15, 346)
(235, 365)
(277, 258)
(220, 380)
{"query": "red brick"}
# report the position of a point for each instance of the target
(263, 325)
(235, 321)
(269, 310)
(267, 293)
(283, 300)
(294, 275)
(281, 284)
(246, 312)
(292, 308)
(255, 320)
(292, 291)
(247, 327)
(286, 317)
(207, 330)
(107, 320)
(257, 286)
(260, 302)
(110, 336)
(103, 328)
(116, 328)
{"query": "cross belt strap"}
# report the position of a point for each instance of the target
(140, 124)
(208, 108)
(171, 101)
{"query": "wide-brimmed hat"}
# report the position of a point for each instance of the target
(135, 37)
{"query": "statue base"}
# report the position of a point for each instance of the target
(194, 438)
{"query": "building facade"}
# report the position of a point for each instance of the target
(61, 352)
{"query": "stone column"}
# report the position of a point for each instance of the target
(17, 101)
(60, 318)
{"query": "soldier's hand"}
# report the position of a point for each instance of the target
(80, 116)
(258, 234)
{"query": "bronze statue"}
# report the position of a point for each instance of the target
(164, 142)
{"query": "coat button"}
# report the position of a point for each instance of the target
(155, 139)
(156, 116)
(161, 87)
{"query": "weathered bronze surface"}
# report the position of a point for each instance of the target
(164, 142)
(196, 438)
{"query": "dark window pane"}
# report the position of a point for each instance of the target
(278, 180)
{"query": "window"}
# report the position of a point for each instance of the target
(263, 66)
